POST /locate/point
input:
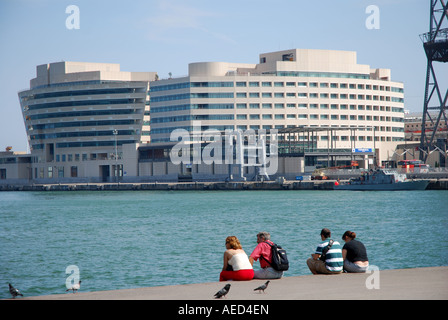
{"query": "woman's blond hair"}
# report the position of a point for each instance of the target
(234, 242)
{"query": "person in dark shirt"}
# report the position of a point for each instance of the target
(354, 254)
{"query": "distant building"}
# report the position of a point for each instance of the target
(291, 88)
(91, 122)
(410, 149)
(79, 115)
(413, 127)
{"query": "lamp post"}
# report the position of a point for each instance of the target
(115, 133)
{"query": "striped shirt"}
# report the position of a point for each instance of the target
(333, 261)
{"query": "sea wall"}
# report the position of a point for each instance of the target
(441, 184)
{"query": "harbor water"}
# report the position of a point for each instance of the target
(131, 239)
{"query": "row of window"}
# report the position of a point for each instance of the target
(276, 117)
(318, 95)
(211, 106)
(86, 92)
(321, 138)
(94, 123)
(85, 157)
(88, 113)
(83, 134)
(219, 95)
(183, 85)
(63, 104)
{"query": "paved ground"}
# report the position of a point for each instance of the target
(402, 284)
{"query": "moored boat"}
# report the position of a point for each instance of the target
(382, 179)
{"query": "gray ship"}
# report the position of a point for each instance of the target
(382, 180)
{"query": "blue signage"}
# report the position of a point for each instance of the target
(362, 150)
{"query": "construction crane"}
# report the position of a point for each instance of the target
(435, 43)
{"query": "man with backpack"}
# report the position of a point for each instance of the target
(327, 258)
(273, 259)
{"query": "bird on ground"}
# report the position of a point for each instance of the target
(262, 287)
(222, 293)
(75, 287)
(14, 292)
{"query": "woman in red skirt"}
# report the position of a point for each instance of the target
(236, 263)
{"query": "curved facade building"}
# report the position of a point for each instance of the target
(79, 115)
(291, 88)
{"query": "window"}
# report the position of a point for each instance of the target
(288, 57)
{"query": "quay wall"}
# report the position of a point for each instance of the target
(440, 184)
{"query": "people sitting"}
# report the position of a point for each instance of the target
(354, 254)
(323, 261)
(236, 264)
(263, 252)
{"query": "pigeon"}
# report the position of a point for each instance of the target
(14, 292)
(222, 293)
(75, 287)
(262, 287)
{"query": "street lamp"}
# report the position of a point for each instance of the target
(115, 133)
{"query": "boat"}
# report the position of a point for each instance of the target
(382, 179)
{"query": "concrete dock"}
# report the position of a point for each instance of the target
(397, 284)
(434, 184)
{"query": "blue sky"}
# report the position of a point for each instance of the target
(165, 36)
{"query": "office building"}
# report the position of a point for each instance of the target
(79, 115)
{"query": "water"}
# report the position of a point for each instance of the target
(136, 239)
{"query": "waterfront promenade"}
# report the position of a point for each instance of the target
(434, 184)
(397, 284)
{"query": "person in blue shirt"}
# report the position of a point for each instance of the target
(333, 262)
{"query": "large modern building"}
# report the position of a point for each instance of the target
(299, 88)
(79, 115)
(93, 122)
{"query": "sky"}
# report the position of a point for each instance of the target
(165, 36)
